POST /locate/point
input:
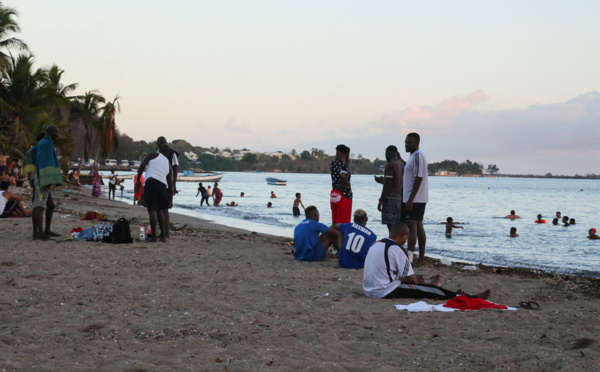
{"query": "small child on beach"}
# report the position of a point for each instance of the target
(592, 234)
(297, 202)
(513, 232)
(450, 224)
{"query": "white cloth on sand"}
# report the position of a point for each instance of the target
(416, 307)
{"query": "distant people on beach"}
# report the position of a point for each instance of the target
(158, 191)
(232, 204)
(47, 174)
(269, 205)
(512, 215)
(565, 220)
(354, 240)
(74, 177)
(217, 195)
(112, 184)
(340, 197)
(96, 182)
(555, 221)
(513, 232)
(138, 189)
(415, 194)
(312, 239)
(297, 202)
(203, 192)
(572, 221)
(390, 201)
(173, 161)
(10, 204)
(273, 196)
(592, 234)
(450, 224)
(539, 219)
(389, 274)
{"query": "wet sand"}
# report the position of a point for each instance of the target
(215, 298)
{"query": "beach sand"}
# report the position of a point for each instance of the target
(219, 299)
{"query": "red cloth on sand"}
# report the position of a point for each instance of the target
(465, 303)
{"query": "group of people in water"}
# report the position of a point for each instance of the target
(565, 220)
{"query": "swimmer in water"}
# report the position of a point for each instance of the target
(513, 232)
(269, 205)
(539, 219)
(558, 215)
(242, 194)
(565, 220)
(512, 215)
(232, 204)
(555, 221)
(572, 221)
(450, 224)
(592, 234)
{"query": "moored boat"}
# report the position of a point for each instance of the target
(190, 176)
(276, 181)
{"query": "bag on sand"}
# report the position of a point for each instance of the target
(121, 234)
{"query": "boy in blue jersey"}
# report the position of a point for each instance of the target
(355, 240)
(312, 238)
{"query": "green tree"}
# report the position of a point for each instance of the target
(87, 110)
(492, 169)
(8, 26)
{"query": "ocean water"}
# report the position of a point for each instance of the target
(480, 203)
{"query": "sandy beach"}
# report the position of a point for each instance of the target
(219, 299)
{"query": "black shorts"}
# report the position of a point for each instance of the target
(112, 186)
(296, 211)
(417, 213)
(156, 195)
(391, 211)
(11, 205)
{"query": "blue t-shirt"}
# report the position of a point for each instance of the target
(357, 241)
(306, 240)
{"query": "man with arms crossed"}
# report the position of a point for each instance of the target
(415, 194)
(390, 202)
(312, 238)
(354, 241)
(389, 274)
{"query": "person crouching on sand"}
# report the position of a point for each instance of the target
(394, 277)
(312, 238)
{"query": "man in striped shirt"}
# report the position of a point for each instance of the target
(389, 274)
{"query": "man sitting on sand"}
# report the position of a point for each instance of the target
(512, 215)
(592, 234)
(312, 238)
(10, 204)
(355, 240)
(389, 274)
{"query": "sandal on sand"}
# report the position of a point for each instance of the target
(529, 305)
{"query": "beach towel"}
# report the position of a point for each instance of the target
(423, 306)
(467, 303)
(46, 163)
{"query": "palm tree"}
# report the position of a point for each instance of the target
(108, 127)
(8, 25)
(87, 109)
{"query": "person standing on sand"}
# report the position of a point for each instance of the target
(389, 274)
(47, 174)
(112, 184)
(341, 194)
(390, 201)
(158, 190)
(217, 195)
(415, 194)
(96, 189)
(173, 161)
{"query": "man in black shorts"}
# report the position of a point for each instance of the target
(390, 202)
(415, 194)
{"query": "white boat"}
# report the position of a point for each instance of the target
(276, 182)
(189, 176)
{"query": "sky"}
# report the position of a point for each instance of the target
(511, 83)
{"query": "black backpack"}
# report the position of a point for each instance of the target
(121, 234)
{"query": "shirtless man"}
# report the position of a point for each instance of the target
(297, 202)
(512, 215)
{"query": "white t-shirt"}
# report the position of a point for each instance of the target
(416, 166)
(112, 178)
(158, 168)
(174, 161)
(378, 279)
